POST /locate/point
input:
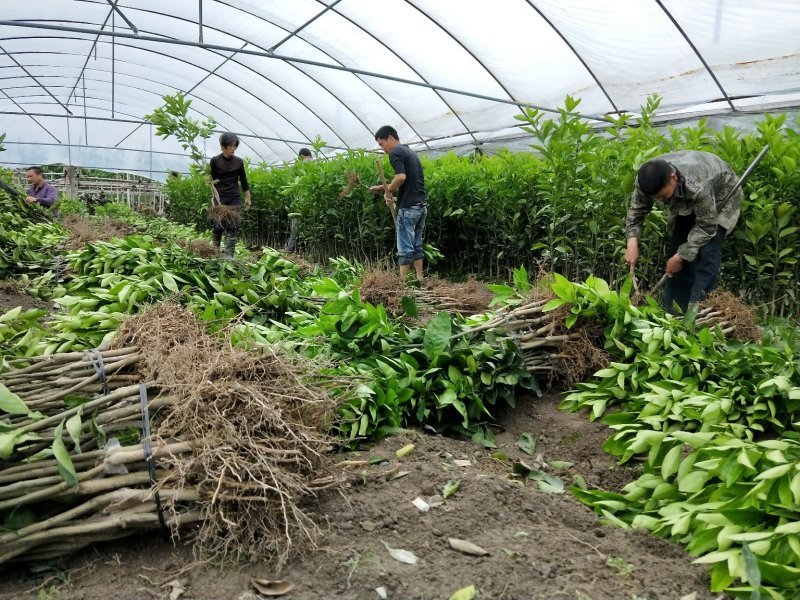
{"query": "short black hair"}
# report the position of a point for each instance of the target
(654, 175)
(226, 139)
(37, 170)
(384, 132)
(304, 152)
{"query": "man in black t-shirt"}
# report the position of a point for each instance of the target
(412, 211)
(228, 171)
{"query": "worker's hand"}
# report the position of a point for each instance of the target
(247, 202)
(389, 199)
(31, 200)
(632, 252)
(376, 188)
(674, 265)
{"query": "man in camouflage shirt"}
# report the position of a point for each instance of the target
(693, 186)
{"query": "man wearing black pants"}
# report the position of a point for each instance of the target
(227, 170)
(694, 187)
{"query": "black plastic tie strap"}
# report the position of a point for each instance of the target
(148, 455)
(96, 358)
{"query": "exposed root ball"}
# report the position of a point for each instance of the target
(259, 457)
(83, 231)
(224, 216)
(203, 248)
(581, 357)
(384, 287)
(469, 297)
(735, 313)
(353, 179)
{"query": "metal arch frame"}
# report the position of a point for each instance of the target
(304, 25)
(32, 76)
(160, 152)
(406, 63)
(697, 53)
(575, 52)
(467, 50)
(33, 118)
(272, 82)
(252, 70)
(127, 86)
(147, 49)
(256, 152)
(138, 121)
(369, 87)
(334, 67)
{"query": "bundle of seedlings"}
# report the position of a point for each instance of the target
(83, 230)
(468, 298)
(731, 314)
(566, 349)
(385, 287)
(45, 382)
(228, 440)
(222, 215)
(200, 247)
(256, 421)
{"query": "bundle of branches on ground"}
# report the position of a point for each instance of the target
(386, 287)
(200, 247)
(565, 342)
(230, 443)
(83, 231)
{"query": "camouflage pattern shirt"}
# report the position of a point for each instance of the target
(704, 181)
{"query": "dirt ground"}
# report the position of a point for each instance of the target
(12, 295)
(540, 545)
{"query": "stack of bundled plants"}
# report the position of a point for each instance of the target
(714, 422)
(226, 439)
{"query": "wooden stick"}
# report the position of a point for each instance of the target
(392, 208)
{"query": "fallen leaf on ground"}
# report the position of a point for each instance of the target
(400, 555)
(272, 588)
(466, 547)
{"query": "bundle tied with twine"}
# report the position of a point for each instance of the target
(259, 455)
(237, 444)
(565, 356)
(386, 287)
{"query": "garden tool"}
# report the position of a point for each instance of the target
(739, 184)
(11, 191)
(392, 208)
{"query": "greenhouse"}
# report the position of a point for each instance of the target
(400, 299)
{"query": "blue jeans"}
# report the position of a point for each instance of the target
(410, 230)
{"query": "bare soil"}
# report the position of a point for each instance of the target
(13, 295)
(540, 545)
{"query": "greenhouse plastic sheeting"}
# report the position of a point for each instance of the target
(79, 76)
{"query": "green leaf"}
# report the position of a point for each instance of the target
(467, 593)
(65, 467)
(169, 282)
(752, 571)
(527, 443)
(409, 306)
(437, 335)
(11, 403)
(450, 488)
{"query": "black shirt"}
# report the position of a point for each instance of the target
(229, 171)
(412, 191)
